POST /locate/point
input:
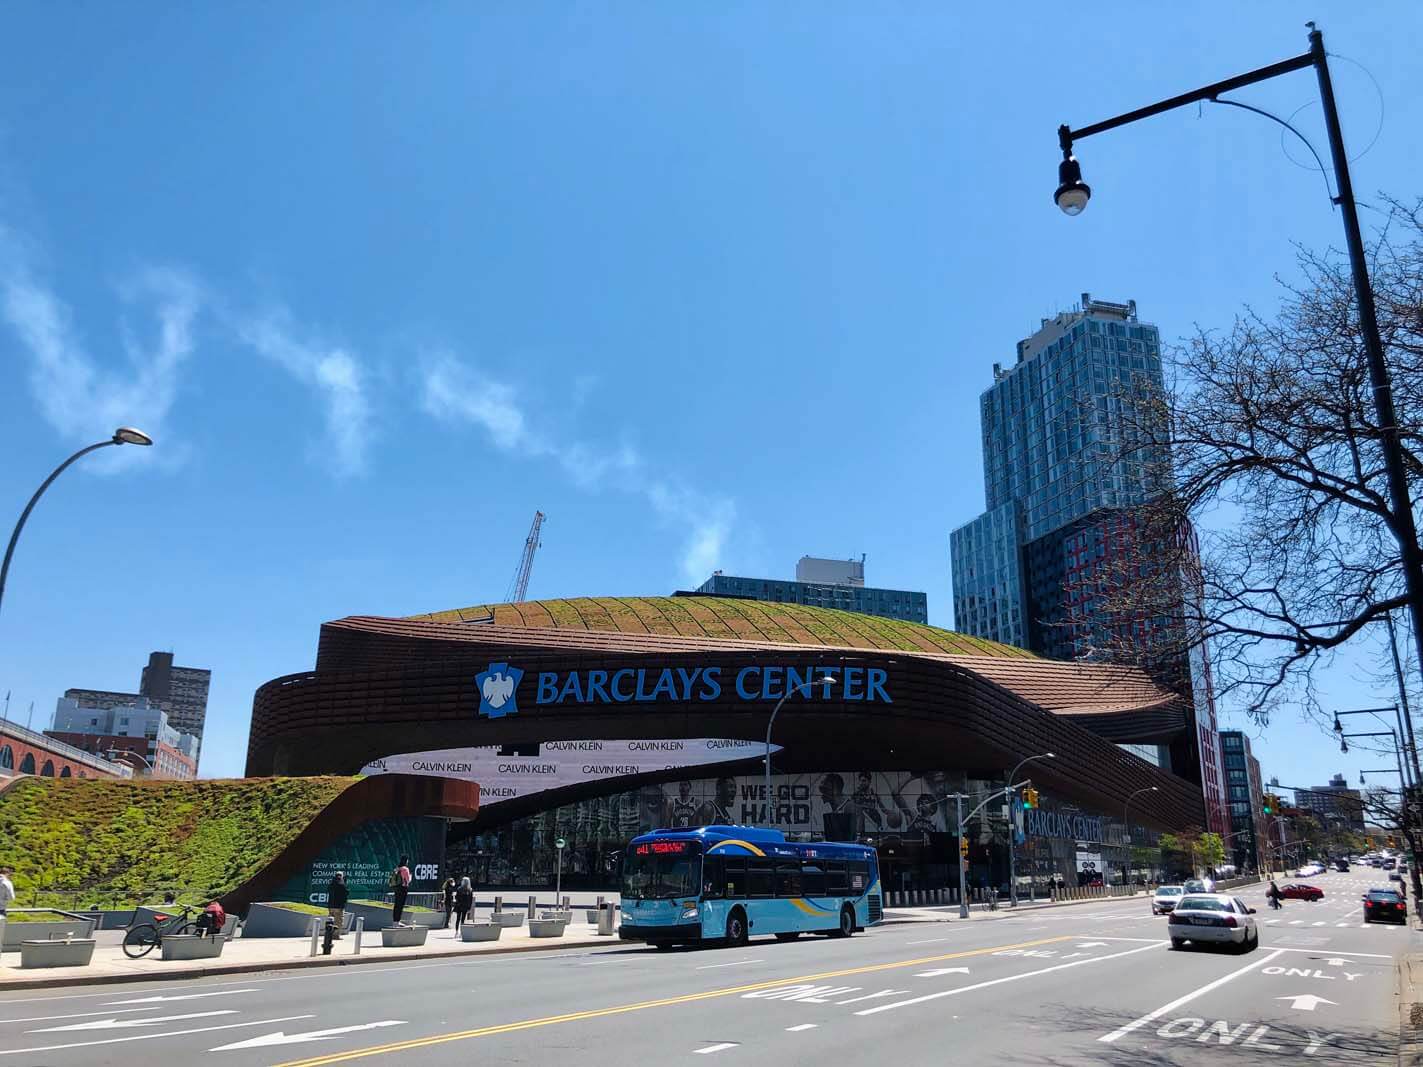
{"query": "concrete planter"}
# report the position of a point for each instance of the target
(509, 919)
(192, 947)
(17, 931)
(557, 915)
(379, 917)
(77, 952)
(403, 936)
(268, 920)
(547, 927)
(480, 932)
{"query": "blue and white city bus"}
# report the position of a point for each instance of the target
(724, 883)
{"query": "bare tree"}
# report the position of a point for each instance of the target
(1274, 458)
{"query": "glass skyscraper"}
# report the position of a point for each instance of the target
(1073, 442)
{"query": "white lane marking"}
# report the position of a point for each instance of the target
(734, 963)
(283, 1038)
(110, 1023)
(802, 1026)
(1316, 952)
(78, 1015)
(715, 1048)
(1129, 1027)
(937, 971)
(1296, 922)
(1307, 1001)
(1320, 924)
(931, 941)
(186, 996)
(1010, 978)
(150, 1037)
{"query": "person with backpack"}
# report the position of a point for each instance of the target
(464, 902)
(336, 896)
(211, 921)
(400, 887)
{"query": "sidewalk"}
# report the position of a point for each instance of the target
(242, 955)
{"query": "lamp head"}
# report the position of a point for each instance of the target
(1343, 745)
(1338, 726)
(127, 435)
(1072, 192)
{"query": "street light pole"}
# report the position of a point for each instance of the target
(1012, 830)
(826, 679)
(1125, 809)
(1072, 196)
(124, 435)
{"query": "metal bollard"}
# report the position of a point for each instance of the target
(316, 922)
(498, 905)
(360, 928)
(533, 907)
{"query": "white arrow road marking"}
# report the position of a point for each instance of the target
(79, 1015)
(119, 1024)
(1305, 1001)
(1091, 944)
(941, 970)
(184, 996)
(715, 1048)
(281, 1038)
(150, 1037)
(1337, 962)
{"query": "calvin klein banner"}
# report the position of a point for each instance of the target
(563, 763)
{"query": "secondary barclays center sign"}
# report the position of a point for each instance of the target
(499, 685)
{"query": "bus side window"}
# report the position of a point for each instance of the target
(760, 877)
(713, 877)
(812, 877)
(859, 876)
(837, 881)
(735, 876)
(788, 879)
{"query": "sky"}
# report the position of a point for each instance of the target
(712, 286)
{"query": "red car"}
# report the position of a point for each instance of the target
(1300, 891)
(1384, 905)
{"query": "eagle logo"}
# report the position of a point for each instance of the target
(496, 690)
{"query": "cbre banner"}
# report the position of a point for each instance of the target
(367, 855)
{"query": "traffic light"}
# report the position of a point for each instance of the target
(1030, 798)
(1269, 804)
(963, 846)
(1393, 842)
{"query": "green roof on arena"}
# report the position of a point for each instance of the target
(728, 618)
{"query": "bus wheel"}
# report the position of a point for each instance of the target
(847, 922)
(662, 946)
(791, 936)
(736, 928)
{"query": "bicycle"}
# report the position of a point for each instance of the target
(145, 937)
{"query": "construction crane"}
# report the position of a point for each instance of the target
(520, 586)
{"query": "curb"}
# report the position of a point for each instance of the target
(1410, 1034)
(57, 981)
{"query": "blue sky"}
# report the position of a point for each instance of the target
(710, 285)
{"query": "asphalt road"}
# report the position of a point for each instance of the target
(1091, 984)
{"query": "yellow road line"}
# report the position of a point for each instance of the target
(687, 998)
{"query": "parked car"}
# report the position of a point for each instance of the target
(1300, 891)
(1213, 918)
(1384, 905)
(1163, 901)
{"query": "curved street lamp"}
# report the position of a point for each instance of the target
(1012, 830)
(124, 435)
(1127, 822)
(825, 679)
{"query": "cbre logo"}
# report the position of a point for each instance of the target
(497, 686)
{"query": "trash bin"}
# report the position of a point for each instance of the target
(606, 915)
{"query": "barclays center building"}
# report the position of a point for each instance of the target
(590, 721)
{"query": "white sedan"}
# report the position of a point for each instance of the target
(1213, 917)
(1164, 899)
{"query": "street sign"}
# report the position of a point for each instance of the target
(560, 843)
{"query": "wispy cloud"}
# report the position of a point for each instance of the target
(83, 398)
(454, 392)
(337, 375)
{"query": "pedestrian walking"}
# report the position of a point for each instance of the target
(1273, 894)
(464, 902)
(336, 897)
(447, 902)
(7, 894)
(400, 887)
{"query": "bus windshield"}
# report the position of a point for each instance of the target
(653, 876)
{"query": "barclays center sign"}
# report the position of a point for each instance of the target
(499, 685)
